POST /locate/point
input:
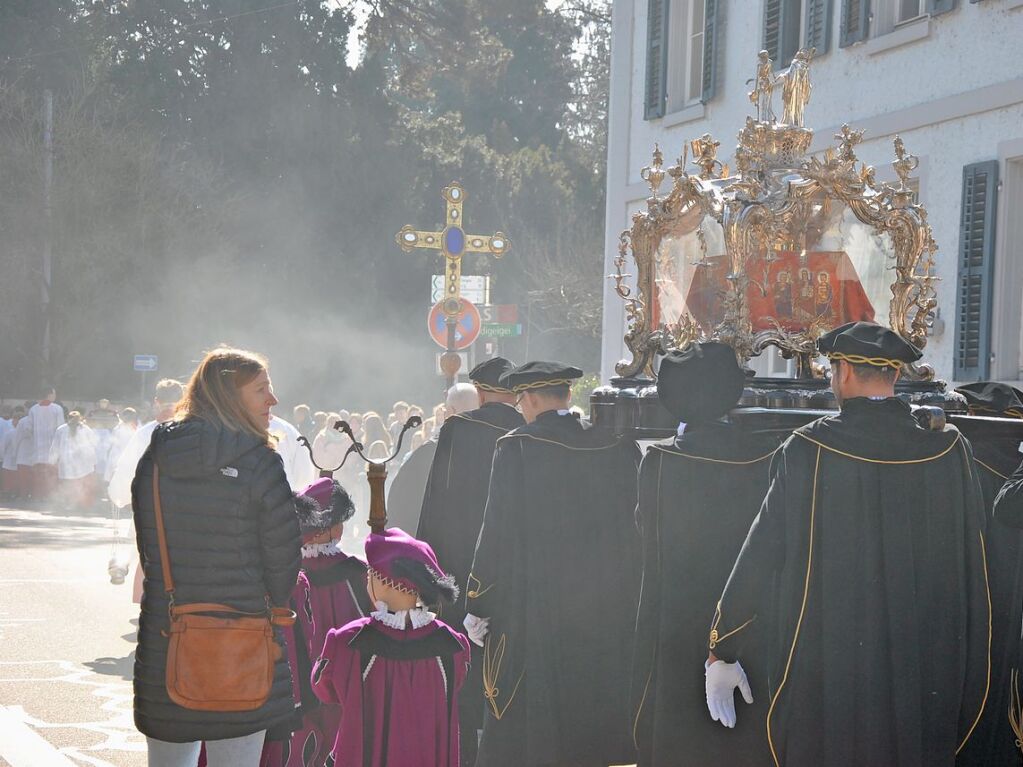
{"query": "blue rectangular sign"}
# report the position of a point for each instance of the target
(145, 363)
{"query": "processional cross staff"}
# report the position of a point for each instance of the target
(453, 243)
(376, 471)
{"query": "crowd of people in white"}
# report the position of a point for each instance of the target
(76, 458)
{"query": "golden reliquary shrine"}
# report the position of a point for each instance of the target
(776, 252)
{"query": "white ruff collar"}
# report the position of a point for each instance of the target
(313, 550)
(419, 617)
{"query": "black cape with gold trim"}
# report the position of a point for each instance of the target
(994, 742)
(557, 572)
(456, 491)
(456, 494)
(867, 563)
(697, 499)
(1008, 511)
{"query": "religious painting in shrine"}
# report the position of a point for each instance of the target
(789, 288)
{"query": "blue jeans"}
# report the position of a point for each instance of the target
(233, 752)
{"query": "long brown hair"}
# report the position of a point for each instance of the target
(212, 391)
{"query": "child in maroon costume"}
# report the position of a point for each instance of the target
(330, 592)
(396, 674)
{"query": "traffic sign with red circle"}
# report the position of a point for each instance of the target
(467, 327)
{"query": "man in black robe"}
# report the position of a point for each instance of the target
(866, 562)
(697, 499)
(456, 494)
(556, 572)
(994, 742)
(405, 496)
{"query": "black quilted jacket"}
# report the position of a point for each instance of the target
(233, 538)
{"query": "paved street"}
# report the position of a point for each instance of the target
(67, 640)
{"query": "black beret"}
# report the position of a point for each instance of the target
(539, 375)
(867, 343)
(487, 375)
(991, 398)
(701, 382)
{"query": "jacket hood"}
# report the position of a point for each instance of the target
(197, 447)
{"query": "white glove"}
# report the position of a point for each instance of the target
(477, 628)
(722, 679)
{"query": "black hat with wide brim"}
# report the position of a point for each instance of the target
(539, 375)
(487, 374)
(701, 382)
(867, 343)
(993, 399)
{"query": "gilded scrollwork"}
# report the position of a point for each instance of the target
(779, 200)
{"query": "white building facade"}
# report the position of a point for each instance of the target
(945, 75)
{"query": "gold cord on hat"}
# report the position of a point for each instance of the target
(491, 388)
(859, 359)
(541, 384)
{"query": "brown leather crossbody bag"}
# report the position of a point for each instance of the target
(218, 658)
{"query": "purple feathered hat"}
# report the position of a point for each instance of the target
(322, 505)
(409, 565)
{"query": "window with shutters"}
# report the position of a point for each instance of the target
(685, 53)
(908, 10)
(656, 58)
(682, 54)
(789, 25)
(976, 271)
(889, 15)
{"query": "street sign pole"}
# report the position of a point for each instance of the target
(145, 364)
(450, 362)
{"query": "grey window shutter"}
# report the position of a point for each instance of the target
(656, 58)
(938, 7)
(855, 22)
(975, 281)
(712, 21)
(773, 10)
(818, 25)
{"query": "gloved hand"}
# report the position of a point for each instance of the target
(722, 679)
(476, 627)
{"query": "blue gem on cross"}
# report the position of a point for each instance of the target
(454, 240)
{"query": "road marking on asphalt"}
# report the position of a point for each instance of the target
(24, 747)
(117, 732)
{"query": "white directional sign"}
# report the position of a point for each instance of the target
(474, 288)
(146, 363)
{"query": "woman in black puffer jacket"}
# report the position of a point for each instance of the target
(232, 538)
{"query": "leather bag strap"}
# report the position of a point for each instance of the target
(279, 616)
(161, 535)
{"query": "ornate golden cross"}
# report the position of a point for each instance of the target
(453, 243)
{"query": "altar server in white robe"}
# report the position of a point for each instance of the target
(44, 418)
(121, 436)
(73, 452)
(298, 466)
(168, 392)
